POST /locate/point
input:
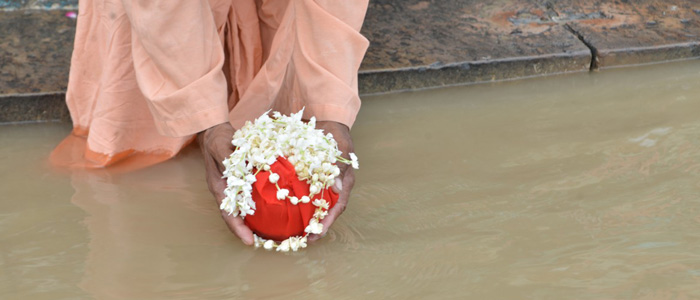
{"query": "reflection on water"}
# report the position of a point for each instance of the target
(577, 187)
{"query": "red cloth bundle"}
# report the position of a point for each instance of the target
(279, 219)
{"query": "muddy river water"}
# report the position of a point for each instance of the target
(583, 186)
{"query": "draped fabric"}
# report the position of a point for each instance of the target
(280, 219)
(146, 76)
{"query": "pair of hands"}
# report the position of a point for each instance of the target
(215, 143)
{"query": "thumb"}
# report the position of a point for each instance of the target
(338, 186)
(238, 227)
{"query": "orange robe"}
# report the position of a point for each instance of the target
(146, 76)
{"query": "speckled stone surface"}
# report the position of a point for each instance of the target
(420, 44)
(54, 4)
(634, 32)
(33, 108)
(8, 5)
(12, 4)
(35, 50)
(415, 44)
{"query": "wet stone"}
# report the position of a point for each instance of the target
(35, 49)
(9, 5)
(635, 32)
(12, 4)
(54, 4)
(419, 44)
(415, 44)
(33, 108)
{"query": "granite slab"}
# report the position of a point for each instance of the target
(423, 44)
(622, 33)
(12, 4)
(50, 107)
(35, 50)
(415, 44)
(8, 5)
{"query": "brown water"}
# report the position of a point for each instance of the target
(578, 187)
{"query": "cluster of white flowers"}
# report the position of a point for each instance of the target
(291, 244)
(259, 144)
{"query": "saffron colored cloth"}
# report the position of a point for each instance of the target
(280, 219)
(147, 75)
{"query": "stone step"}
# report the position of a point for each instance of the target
(414, 44)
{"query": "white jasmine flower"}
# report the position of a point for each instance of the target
(284, 246)
(233, 181)
(320, 203)
(294, 243)
(258, 241)
(268, 244)
(274, 177)
(282, 194)
(320, 213)
(250, 178)
(245, 210)
(314, 227)
(259, 144)
(353, 160)
(313, 189)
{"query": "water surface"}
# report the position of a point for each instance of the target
(584, 186)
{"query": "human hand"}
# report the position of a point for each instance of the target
(215, 143)
(345, 181)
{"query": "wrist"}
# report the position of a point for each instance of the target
(203, 136)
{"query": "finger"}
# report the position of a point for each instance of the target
(219, 153)
(341, 134)
(223, 147)
(238, 227)
(343, 168)
(214, 180)
(234, 224)
(338, 208)
(338, 185)
(218, 143)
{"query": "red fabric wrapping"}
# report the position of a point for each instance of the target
(279, 219)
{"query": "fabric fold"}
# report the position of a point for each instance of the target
(279, 219)
(147, 75)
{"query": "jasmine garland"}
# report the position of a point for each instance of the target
(259, 144)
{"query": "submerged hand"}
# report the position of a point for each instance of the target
(345, 181)
(215, 143)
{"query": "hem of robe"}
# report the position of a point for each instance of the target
(169, 119)
(74, 153)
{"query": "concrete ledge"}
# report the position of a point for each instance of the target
(621, 33)
(377, 82)
(648, 55)
(33, 108)
(35, 50)
(415, 44)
